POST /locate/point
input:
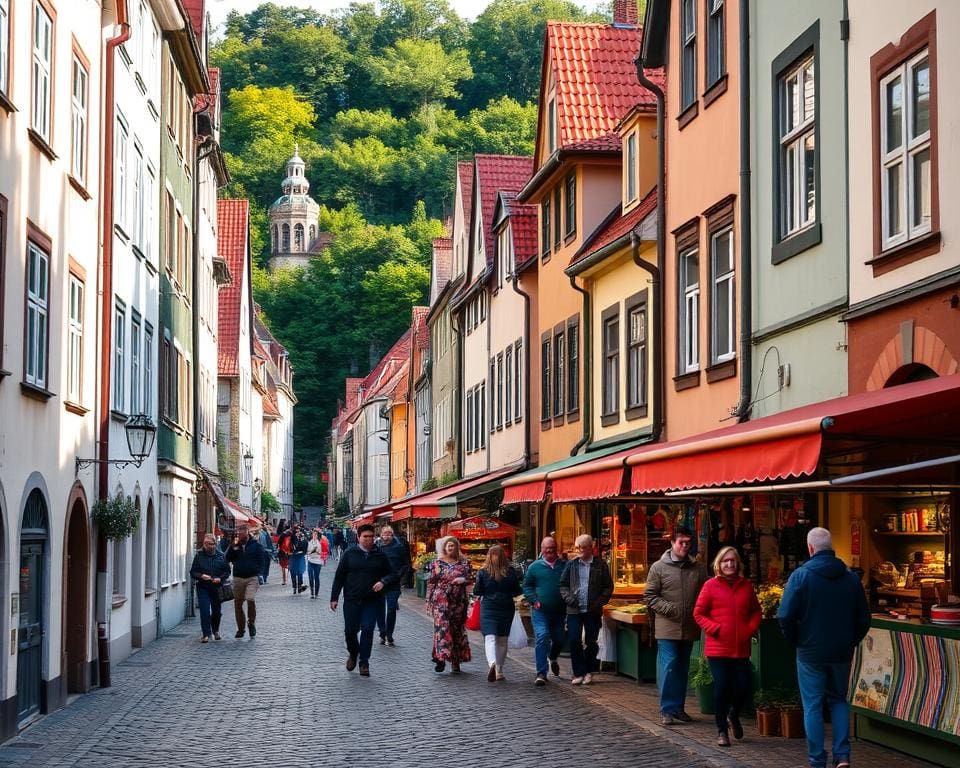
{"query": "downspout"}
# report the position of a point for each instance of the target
(845, 37)
(106, 332)
(491, 406)
(659, 382)
(587, 365)
(742, 411)
(515, 283)
(458, 406)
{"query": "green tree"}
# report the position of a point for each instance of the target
(414, 73)
(268, 17)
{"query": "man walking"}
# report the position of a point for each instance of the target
(363, 573)
(673, 584)
(246, 556)
(824, 613)
(541, 588)
(586, 587)
(398, 553)
(266, 541)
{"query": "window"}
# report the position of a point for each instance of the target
(41, 98)
(493, 393)
(78, 123)
(5, 47)
(689, 311)
(482, 413)
(37, 338)
(722, 302)
(715, 42)
(119, 371)
(148, 370)
(636, 339)
(170, 244)
(136, 364)
(166, 502)
(518, 380)
(164, 376)
(688, 53)
(545, 368)
(179, 253)
(120, 202)
(150, 197)
(551, 125)
(298, 237)
(610, 374)
(906, 151)
(508, 386)
(545, 226)
(470, 421)
(571, 201)
(75, 340)
(798, 197)
(119, 568)
(285, 245)
(631, 167)
(558, 350)
(139, 198)
(557, 212)
(500, 388)
(573, 365)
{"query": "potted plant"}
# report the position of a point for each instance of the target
(421, 565)
(701, 678)
(791, 714)
(768, 716)
(116, 518)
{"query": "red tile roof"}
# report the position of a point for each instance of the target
(421, 334)
(498, 173)
(593, 65)
(616, 226)
(523, 223)
(195, 15)
(465, 172)
(204, 101)
(270, 406)
(232, 226)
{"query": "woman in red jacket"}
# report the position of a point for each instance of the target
(729, 614)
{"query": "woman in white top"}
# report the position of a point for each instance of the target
(317, 552)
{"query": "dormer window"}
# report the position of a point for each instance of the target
(630, 187)
(552, 125)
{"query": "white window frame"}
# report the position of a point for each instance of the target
(79, 81)
(610, 372)
(75, 339)
(166, 501)
(37, 329)
(903, 156)
(136, 365)
(148, 370)
(518, 380)
(41, 103)
(796, 142)
(722, 284)
(139, 197)
(499, 408)
(5, 47)
(119, 358)
(121, 202)
(150, 223)
(689, 314)
(508, 386)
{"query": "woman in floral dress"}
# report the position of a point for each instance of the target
(447, 594)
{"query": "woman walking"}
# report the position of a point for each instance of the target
(447, 595)
(497, 585)
(317, 552)
(729, 614)
(284, 550)
(298, 560)
(210, 570)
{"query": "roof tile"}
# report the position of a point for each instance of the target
(498, 173)
(615, 227)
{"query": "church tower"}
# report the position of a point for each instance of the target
(294, 235)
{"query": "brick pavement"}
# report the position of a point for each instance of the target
(285, 699)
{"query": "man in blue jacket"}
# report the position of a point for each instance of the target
(541, 588)
(824, 613)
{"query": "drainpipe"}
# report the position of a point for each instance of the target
(491, 406)
(587, 376)
(659, 382)
(106, 327)
(742, 411)
(515, 283)
(458, 405)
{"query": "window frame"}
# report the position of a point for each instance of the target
(545, 222)
(570, 205)
(785, 244)
(121, 200)
(572, 387)
(688, 307)
(508, 386)
(688, 55)
(3, 274)
(148, 337)
(546, 380)
(630, 185)
(75, 309)
(5, 53)
(638, 409)
(715, 17)
(136, 363)
(118, 402)
(610, 365)
(557, 217)
(518, 380)
(42, 246)
(46, 66)
(500, 393)
(79, 116)
(559, 367)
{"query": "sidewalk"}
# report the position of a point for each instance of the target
(638, 703)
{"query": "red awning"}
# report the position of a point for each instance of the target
(792, 443)
(532, 490)
(599, 479)
(439, 503)
(235, 511)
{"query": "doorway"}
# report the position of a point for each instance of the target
(33, 552)
(76, 609)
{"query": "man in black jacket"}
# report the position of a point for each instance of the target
(398, 553)
(247, 557)
(363, 573)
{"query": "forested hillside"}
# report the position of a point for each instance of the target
(383, 100)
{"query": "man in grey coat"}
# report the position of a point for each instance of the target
(673, 584)
(585, 586)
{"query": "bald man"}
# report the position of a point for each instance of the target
(586, 587)
(541, 588)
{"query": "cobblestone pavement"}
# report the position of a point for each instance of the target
(284, 699)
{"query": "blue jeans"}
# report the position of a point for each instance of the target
(387, 621)
(548, 630)
(583, 629)
(673, 669)
(313, 573)
(362, 618)
(819, 684)
(266, 570)
(210, 611)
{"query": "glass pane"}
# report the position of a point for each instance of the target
(722, 253)
(790, 189)
(920, 122)
(31, 342)
(809, 178)
(791, 105)
(921, 189)
(808, 92)
(691, 274)
(41, 348)
(689, 18)
(722, 320)
(894, 213)
(894, 114)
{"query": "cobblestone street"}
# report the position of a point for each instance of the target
(285, 699)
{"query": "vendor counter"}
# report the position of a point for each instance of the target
(905, 690)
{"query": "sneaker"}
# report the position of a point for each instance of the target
(253, 629)
(390, 643)
(723, 740)
(541, 680)
(351, 662)
(216, 636)
(492, 674)
(666, 720)
(500, 676)
(364, 670)
(383, 639)
(555, 668)
(302, 588)
(204, 639)
(844, 763)
(239, 633)
(439, 666)
(587, 679)
(683, 717)
(577, 680)
(736, 726)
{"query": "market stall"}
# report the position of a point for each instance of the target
(478, 534)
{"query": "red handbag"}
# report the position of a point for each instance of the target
(473, 616)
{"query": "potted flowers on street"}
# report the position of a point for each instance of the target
(701, 678)
(768, 716)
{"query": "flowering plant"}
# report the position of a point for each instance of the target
(420, 562)
(116, 517)
(769, 596)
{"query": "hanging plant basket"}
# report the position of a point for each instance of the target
(116, 518)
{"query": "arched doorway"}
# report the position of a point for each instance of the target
(33, 553)
(77, 608)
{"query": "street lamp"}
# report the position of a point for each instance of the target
(247, 464)
(141, 433)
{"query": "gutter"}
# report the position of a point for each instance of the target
(587, 376)
(106, 333)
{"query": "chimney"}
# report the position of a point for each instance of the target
(625, 12)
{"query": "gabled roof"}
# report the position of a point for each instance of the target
(465, 173)
(495, 174)
(523, 227)
(232, 245)
(615, 227)
(323, 241)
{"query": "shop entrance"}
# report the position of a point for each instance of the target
(33, 546)
(76, 608)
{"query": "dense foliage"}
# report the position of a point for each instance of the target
(382, 100)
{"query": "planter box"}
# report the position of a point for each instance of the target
(768, 722)
(421, 579)
(705, 699)
(791, 723)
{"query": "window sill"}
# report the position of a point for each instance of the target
(907, 253)
(608, 419)
(78, 186)
(118, 601)
(573, 416)
(544, 258)
(35, 393)
(118, 416)
(569, 237)
(636, 412)
(3, 374)
(120, 232)
(715, 91)
(76, 408)
(685, 117)
(720, 371)
(796, 244)
(558, 421)
(149, 592)
(545, 424)
(6, 105)
(41, 143)
(137, 252)
(686, 381)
